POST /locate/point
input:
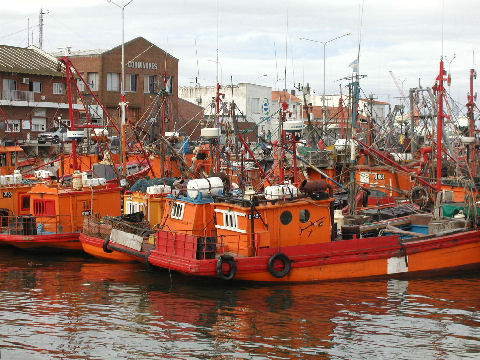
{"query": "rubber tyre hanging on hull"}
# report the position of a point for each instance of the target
(232, 267)
(105, 245)
(287, 265)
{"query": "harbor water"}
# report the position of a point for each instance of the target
(77, 307)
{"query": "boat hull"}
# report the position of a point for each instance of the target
(345, 260)
(94, 246)
(67, 241)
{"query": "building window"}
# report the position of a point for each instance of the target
(58, 88)
(92, 79)
(38, 124)
(9, 85)
(3, 159)
(255, 105)
(80, 85)
(12, 126)
(35, 86)
(149, 82)
(113, 82)
(131, 83)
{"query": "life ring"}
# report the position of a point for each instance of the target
(105, 245)
(232, 267)
(287, 265)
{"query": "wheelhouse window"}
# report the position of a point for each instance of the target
(113, 82)
(25, 202)
(177, 210)
(44, 207)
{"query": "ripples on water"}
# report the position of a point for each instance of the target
(78, 308)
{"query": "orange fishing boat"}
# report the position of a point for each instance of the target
(103, 237)
(293, 239)
(57, 215)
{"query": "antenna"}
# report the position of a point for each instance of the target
(198, 68)
(286, 54)
(443, 14)
(28, 31)
(276, 64)
(360, 37)
(40, 26)
(217, 39)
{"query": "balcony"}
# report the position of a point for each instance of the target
(17, 95)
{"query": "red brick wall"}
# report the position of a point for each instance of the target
(139, 50)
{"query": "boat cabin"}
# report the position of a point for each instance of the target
(61, 210)
(9, 156)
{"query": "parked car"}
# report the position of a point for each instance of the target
(54, 135)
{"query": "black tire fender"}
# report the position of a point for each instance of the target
(287, 265)
(226, 259)
(105, 245)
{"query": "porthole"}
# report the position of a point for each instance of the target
(304, 215)
(286, 217)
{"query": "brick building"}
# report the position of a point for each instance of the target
(32, 93)
(145, 67)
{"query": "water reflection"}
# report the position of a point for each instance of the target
(76, 307)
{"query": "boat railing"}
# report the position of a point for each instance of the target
(31, 225)
(194, 246)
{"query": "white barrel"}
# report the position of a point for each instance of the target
(152, 190)
(77, 180)
(9, 179)
(208, 186)
(282, 191)
(17, 177)
(94, 182)
(102, 181)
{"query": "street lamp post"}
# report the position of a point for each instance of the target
(324, 43)
(122, 86)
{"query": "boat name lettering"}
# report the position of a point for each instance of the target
(7, 194)
(86, 213)
(380, 176)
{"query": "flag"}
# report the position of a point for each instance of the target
(354, 65)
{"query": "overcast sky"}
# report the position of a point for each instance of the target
(402, 36)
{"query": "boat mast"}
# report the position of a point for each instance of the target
(70, 115)
(440, 116)
(471, 125)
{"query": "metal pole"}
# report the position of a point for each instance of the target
(122, 91)
(440, 116)
(323, 100)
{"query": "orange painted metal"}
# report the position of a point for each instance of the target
(94, 246)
